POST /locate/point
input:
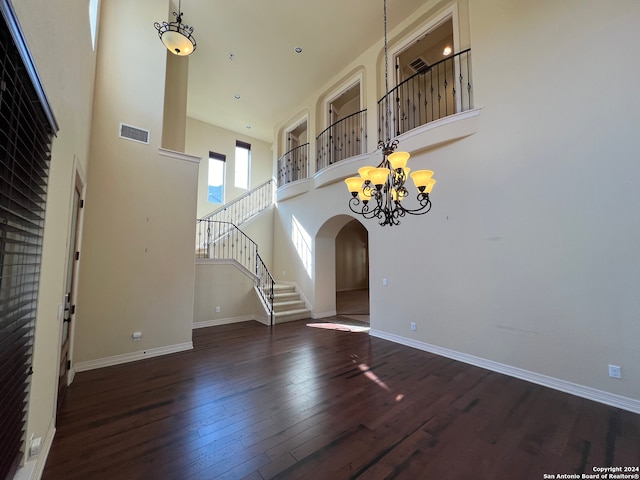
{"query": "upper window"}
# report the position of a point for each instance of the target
(93, 20)
(216, 177)
(242, 165)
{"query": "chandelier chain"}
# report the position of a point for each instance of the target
(380, 192)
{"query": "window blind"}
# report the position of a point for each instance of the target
(25, 140)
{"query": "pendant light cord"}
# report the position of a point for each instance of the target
(386, 70)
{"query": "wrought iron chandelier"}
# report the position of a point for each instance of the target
(379, 191)
(177, 36)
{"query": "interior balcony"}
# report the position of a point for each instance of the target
(430, 108)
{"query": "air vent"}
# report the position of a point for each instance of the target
(134, 133)
(419, 65)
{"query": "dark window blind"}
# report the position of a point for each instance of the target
(25, 140)
(245, 145)
(218, 156)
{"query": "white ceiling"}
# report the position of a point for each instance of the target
(270, 78)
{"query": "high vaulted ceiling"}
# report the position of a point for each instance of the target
(246, 48)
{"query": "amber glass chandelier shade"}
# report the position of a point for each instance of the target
(398, 159)
(430, 185)
(421, 178)
(379, 175)
(364, 172)
(354, 184)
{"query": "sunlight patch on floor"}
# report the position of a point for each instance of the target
(343, 327)
(364, 368)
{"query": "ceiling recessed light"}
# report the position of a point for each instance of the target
(298, 49)
(446, 51)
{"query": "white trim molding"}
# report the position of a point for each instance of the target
(589, 393)
(223, 321)
(33, 468)
(131, 357)
(318, 315)
(178, 155)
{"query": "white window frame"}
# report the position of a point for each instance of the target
(217, 157)
(242, 179)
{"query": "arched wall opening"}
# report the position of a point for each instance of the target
(326, 270)
(352, 272)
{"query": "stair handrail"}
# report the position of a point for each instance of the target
(262, 188)
(265, 282)
(231, 243)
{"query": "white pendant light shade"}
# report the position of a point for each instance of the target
(177, 43)
(176, 36)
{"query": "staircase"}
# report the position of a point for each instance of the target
(219, 238)
(287, 304)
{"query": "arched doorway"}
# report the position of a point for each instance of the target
(352, 272)
(325, 263)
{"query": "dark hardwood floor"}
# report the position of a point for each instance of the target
(294, 402)
(353, 304)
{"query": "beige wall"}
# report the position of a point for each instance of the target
(529, 256)
(228, 287)
(201, 138)
(174, 123)
(69, 89)
(137, 270)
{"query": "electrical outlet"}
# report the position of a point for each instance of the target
(34, 447)
(414, 327)
(136, 336)
(385, 282)
(218, 309)
(615, 371)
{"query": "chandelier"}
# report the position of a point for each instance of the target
(379, 191)
(176, 36)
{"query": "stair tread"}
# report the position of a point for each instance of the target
(292, 312)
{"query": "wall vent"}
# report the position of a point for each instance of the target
(134, 133)
(419, 65)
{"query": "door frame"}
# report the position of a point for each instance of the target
(78, 183)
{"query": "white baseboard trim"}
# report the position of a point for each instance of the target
(223, 321)
(589, 393)
(316, 315)
(33, 468)
(132, 357)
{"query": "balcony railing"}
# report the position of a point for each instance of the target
(293, 165)
(344, 139)
(440, 90)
